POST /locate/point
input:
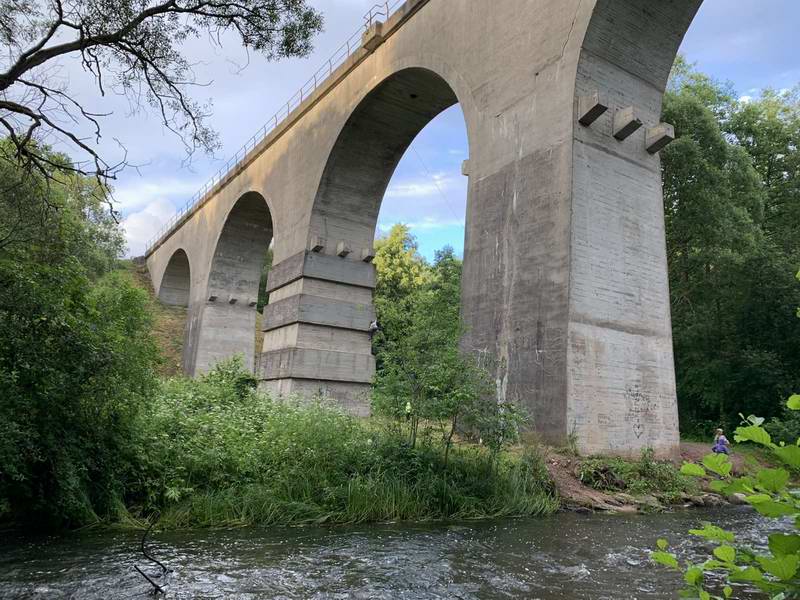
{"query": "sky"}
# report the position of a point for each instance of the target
(750, 43)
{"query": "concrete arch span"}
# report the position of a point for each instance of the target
(175, 286)
(224, 319)
(565, 267)
(368, 150)
(317, 339)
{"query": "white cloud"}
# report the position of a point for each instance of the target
(427, 223)
(422, 187)
(141, 226)
(134, 194)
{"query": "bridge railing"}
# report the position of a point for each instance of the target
(379, 12)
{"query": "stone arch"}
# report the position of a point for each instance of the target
(175, 288)
(316, 326)
(366, 153)
(228, 319)
(639, 37)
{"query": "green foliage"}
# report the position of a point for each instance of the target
(216, 452)
(401, 269)
(645, 476)
(423, 376)
(769, 492)
(75, 365)
(401, 274)
(76, 357)
(731, 189)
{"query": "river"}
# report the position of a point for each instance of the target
(565, 556)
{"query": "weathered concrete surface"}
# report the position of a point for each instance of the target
(565, 279)
(175, 284)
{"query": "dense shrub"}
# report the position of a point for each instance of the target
(216, 452)
(645, 476)
(785, 429)
(75, 352)
(75, 365)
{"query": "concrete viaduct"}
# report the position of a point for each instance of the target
(565, 275)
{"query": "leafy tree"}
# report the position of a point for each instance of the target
(401, 269)
(401, 272)
(135, 47)
(768, 128)
(732, 301)
(76, 358)
(423, 375)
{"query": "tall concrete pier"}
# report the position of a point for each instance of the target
(565, 275)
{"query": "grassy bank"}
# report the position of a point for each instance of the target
(214, 452)
(168, 322)
(644, 477)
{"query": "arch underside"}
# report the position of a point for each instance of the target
(176, 281)
(368, 150)
(228, 317)
(317, 337)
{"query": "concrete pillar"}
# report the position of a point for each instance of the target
(222, 323)
(515, 287)
(316, 325)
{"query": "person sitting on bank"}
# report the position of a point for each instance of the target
(721, 443)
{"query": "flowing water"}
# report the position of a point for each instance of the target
(565, 556)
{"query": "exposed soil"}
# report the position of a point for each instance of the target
(577, 496)
(169, 323)
(695, 451)
(574, 494)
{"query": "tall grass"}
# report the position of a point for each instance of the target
(217, 453)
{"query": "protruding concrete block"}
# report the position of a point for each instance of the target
(367, 255)
(343, 250)
(591, 108)
(320, 365)
(320, 266)
(465, 168)
(373, 37)
(626, 122)
(659, 137)
(317, 244)
(318, 310)
(232, 300)
(212, 298)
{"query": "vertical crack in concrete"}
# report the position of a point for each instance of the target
(571, 28)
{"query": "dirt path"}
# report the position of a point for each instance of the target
(695, 451)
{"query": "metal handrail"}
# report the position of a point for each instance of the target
(345, 51)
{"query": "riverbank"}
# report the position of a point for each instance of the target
(217, 454)
(610, 484)
(214, 452)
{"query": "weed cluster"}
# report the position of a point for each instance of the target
(645, 476)
(218, 453)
